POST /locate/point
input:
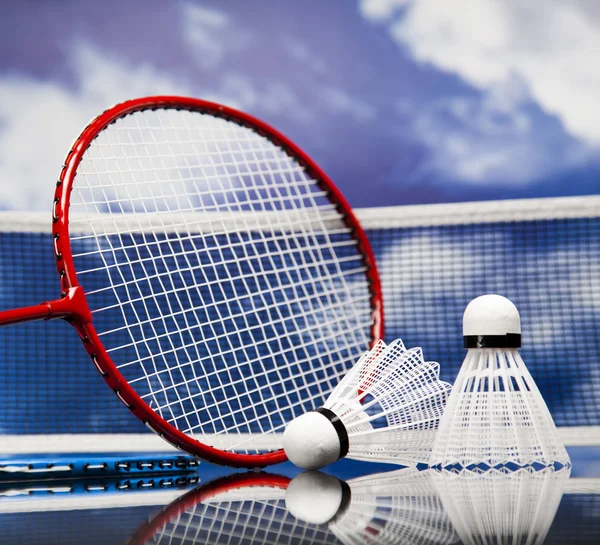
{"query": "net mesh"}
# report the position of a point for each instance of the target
(221, 279)
(543, 257)
(577, 520)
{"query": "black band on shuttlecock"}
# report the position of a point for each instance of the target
(344, 504)
(339, 428)
(510, 340)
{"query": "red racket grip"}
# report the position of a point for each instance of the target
(71, 306)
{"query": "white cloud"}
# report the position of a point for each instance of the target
(301, 52)
(207, 17)
(338, 100)
(379, 10)
(551, 46)
(489, 138)
(202, 28)
(40, 119)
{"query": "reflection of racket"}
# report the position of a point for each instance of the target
(218, 280)
(241, 508)
(74, 494)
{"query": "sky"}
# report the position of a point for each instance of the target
(399, 101)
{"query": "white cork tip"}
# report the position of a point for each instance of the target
(491, 315)
(311, 442)
(314, 497)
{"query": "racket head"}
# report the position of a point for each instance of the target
(165, 202)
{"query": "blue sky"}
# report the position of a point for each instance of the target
(400, 102)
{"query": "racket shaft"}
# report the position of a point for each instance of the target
(72, 305)
(26, 314)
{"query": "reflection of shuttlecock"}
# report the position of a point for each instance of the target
(495, 416)
(498, 507)
(386, 408)
(394, 507)
(240, 508)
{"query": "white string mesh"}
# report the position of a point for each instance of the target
(394, 507)
(391, 402)
(248, 515)
(496, 417)
(241, 290)
(501, 508)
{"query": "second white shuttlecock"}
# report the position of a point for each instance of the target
(387, 408)
(495, 417)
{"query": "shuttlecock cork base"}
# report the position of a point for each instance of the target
(386, 408)
(317, 498)
(495, 417)
(491, 321)
(316, 439)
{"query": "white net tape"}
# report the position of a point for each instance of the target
(242, 292)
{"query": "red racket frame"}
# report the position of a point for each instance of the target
(73, 307)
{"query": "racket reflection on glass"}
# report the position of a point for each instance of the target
(240, 508)
(219, 281)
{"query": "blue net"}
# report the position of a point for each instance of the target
(550, 268)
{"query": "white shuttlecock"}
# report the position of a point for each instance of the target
(495, 416)
(502, 507)
(387, 508)
(387, 408)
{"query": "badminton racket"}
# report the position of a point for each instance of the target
(218, 280)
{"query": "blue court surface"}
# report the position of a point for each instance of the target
(375, 503)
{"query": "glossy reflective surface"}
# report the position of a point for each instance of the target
(352, 503)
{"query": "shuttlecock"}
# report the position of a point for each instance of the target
(495, 416)
(499, 507)
(386, 408)
(394, 507)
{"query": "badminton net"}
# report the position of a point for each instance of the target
(543, 254)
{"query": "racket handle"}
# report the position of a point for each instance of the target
(72, 305)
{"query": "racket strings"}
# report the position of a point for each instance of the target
(308, 269)
(224, 264)
(245, 519)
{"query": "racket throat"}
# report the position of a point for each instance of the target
(72, 305)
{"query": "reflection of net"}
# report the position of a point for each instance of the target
(578, 517)
(251, 514)
(496, 507)
(222, 281)
(395, 507)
